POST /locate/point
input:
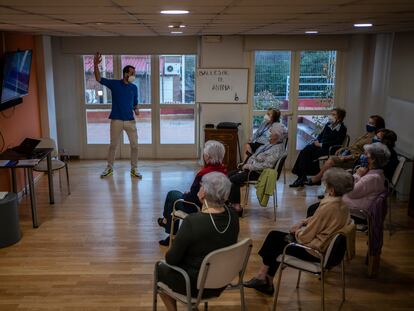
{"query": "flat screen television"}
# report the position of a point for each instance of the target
(15, 77)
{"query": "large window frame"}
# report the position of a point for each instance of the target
(155, 149)
(294, 111)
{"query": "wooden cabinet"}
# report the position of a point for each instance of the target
(229, 138)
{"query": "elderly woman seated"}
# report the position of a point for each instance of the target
(388, 138)
(346, 157)
(369, 180)
(216, 226)
(333, 133)
(265, 156)
(213, 155)
(261, 136)
(331, 216)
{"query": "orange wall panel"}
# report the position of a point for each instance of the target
(23, 120)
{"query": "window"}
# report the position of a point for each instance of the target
(97, 126)
(308, 127)
(271, 88)
(317, 80)
(142, 64)
(177, 76)
(177, 125)
(314, 90)
(177, 86)
(95, 93)
(170, 115)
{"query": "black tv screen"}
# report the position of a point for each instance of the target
(16, 76)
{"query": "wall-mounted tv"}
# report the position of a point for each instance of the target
(15, 77)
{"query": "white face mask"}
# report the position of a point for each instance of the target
(131, 79)
(266, 118)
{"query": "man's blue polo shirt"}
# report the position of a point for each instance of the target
(124, 99)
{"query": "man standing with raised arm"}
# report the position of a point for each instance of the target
(124, 103)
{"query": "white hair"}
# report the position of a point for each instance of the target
(379, 153)
(216, 187)
(280, 130)
(339, 180)
(214, 151)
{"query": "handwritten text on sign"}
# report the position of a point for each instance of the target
(222, 85)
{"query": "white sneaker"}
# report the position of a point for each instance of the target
(107, 172)
(135, 173)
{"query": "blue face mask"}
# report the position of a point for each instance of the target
(370, 128)
(375, 139)
(363, 160)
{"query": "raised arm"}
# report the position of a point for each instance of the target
(96, 61)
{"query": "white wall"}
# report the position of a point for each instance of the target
(228, 53)
(365, 71)
(399, 104)
(46, 89)
(365, 80)
(68, 117)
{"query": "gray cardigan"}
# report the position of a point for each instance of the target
(266, 159)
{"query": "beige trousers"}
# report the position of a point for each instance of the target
(117, 127)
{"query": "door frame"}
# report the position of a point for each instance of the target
(154, 150)
(293, 112)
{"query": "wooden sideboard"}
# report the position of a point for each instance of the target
(229, 138)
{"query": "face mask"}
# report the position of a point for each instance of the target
(266, 118)
(370, 128)
(131, 79)
(376, 139)
(363, 160)
(332, 119)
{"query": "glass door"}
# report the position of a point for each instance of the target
(97, 106)
(177, 109)
(144, 122)
(316, 94)
(299, 83)
(168, 115)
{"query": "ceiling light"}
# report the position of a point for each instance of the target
(174, 12)
(311, 32)
(363, 25)
(176, 32)
(176, 26)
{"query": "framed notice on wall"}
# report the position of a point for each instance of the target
(222, 85)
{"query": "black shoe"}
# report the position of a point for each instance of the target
(309, 182)
(165, 242)
(300, 182)
(239, 212)
(161, 222)
(260, 285)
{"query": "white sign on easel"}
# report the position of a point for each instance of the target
(222, 86)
